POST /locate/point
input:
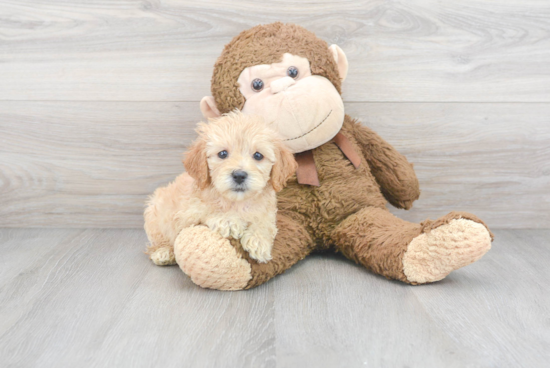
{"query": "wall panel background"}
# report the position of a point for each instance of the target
(98, 99)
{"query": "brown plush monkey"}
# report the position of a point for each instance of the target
(337, 200)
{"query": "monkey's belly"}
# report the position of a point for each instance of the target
(344, 190)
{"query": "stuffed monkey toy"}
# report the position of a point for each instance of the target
(346, 173)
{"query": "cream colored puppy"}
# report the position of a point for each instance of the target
(234, 169)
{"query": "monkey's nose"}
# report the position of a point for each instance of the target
(239, 176)
(281, 84)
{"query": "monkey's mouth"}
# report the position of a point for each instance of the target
(311, 130)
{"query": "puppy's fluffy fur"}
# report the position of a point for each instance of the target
(209, 194)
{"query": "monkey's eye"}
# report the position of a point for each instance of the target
(292, 72)
(223, 154)
(257, 84)
(258, 156)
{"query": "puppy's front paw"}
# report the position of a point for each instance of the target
(227, 228)
(220, 226)
(257, 247)
(237, 229)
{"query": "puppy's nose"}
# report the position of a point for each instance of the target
(239, 176)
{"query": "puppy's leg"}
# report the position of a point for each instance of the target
(237, 227)
(227, 226)
(258, 239)
(170, 209)
(160, 225)
(160, 249)
(161, 253)
(163, 256)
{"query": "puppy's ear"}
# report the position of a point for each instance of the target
(195, 163)
(284, 167)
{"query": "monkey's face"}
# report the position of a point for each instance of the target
(305, 109)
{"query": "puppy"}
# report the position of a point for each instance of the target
(234, 169)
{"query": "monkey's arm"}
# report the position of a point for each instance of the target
(392, 171)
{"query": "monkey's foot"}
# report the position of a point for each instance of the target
(210, 260)
(434, 254)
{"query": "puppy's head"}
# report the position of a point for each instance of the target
(238, 155)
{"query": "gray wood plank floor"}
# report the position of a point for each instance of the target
(90, 298)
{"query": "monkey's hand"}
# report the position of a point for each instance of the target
(392, 171)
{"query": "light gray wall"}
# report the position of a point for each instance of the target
(98, 99)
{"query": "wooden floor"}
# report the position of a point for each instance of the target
(73, 298)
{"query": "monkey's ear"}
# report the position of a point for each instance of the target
(209, 108)
(341, 61)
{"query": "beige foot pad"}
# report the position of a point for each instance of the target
(210, 260)
(433, 255)
(163, 257)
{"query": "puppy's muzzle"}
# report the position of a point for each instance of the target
(239, 176)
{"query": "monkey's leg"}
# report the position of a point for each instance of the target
(412, 253)
(292, 244)
(216, 263)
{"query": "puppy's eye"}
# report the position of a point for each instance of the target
(292, 72)
(257, 85)
(223, 154)
(258, 156)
